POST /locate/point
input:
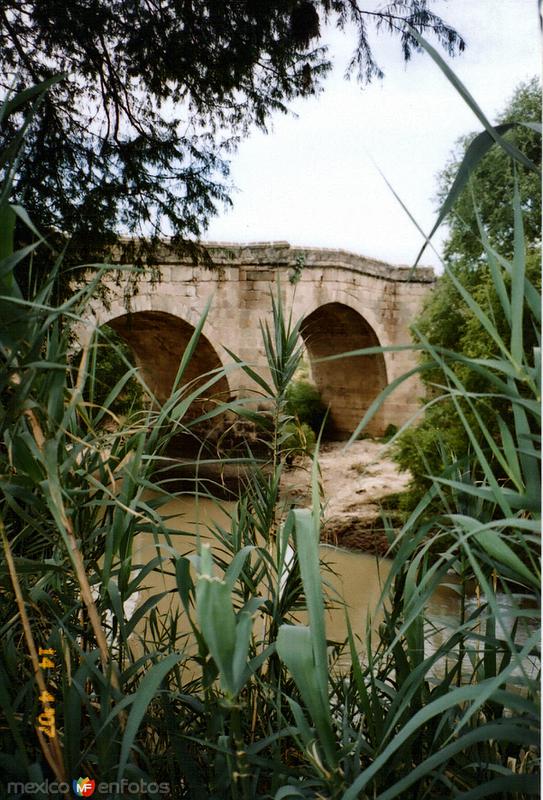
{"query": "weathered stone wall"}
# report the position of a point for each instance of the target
(348, 385)
(158, 341)
(348, 302)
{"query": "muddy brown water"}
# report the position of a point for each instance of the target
(356, 578)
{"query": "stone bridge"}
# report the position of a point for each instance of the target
(347, 302)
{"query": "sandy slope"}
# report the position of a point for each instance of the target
(355, 481)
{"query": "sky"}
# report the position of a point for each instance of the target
(314, 179)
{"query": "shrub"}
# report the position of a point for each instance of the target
(390, 432)
(113, 357)
(305, 404)
(300, 440)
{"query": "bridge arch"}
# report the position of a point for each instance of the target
(347, 385)
(385, 297)
(158, 340)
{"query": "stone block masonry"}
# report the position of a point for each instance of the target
(348, 302)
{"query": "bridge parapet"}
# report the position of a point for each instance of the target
(281, 255)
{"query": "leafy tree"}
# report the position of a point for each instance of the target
(445, 320)
(493, 186)
(157, 94)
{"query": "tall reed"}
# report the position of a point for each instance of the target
(225, 694)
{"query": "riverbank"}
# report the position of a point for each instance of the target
(357, 481)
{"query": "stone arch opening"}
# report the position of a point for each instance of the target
(347, 385)
(158, 341)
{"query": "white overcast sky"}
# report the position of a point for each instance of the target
(311, 180)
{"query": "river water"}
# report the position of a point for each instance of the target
(355, 577)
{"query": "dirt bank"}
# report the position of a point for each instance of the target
(357, 481)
